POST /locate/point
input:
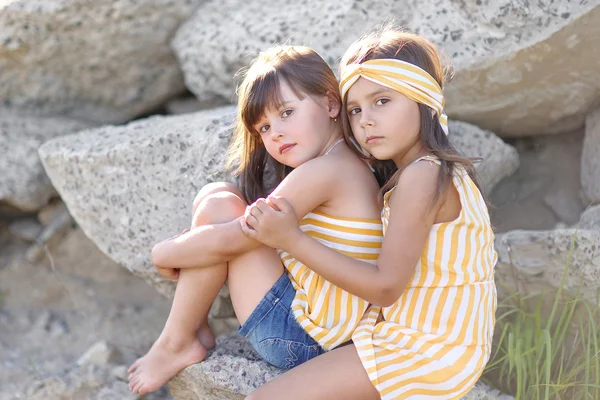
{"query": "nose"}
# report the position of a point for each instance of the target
(276, 132)
(366, 119)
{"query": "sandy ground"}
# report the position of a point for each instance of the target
(51, 313)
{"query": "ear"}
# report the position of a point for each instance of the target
(333, 105)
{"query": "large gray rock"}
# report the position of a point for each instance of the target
(590, 162)
(131, 186)
(590, 219)
(23, 182)
(103, 61)
(234, 370)
(520, 67)
(500, 160)
(540, 258)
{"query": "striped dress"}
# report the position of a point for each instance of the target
(434, 342)
(329, 314)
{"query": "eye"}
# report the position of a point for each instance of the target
(263, 129)
(354, 111)
(286, 113)
(381, 102)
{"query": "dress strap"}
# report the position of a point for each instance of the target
(428, 157)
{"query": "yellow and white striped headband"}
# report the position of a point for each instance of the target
(406, 78)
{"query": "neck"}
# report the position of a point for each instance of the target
(410, 155)
(337, 135)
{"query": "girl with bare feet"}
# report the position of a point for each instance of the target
(288, 115)
(428, 333)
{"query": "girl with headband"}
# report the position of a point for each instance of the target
(288, 115)
(428, 333)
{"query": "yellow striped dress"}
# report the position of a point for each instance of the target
(434, 342)
(328, 313)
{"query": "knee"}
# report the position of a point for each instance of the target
(212, 188)
(218, 208)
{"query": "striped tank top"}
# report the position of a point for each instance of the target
(327, 313)
(436, 339)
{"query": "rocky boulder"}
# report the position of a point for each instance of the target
(521, 68)
(104, 61)
(590, 163)
(233, 370)
(23, 181)
(540, 258)
(130, 186)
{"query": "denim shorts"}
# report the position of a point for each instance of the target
(274, 332)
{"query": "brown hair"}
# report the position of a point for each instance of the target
(307, 74)
(389, 42)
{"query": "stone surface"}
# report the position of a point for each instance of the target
(590, 219)
(23, 182)
(100, 353)
(26, 229)
(130, 186)
(500, 160)
(521, 67)
(233, 370)
(540, 258)
(545, 189)
(104, 61)
(590, 161)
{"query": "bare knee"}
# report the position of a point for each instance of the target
(218, 208)
(213, 188)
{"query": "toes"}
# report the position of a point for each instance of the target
(134, 365)
(142, 389)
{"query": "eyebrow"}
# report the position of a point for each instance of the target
(375, 93)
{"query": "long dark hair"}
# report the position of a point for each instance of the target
(387, 43)
(307, 74)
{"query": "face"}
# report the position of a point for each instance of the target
(299, 130)
(384, 122)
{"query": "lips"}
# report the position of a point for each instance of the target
(285, 148)
(373, 139)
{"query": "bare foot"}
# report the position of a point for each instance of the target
(206, 337)
(164, 360)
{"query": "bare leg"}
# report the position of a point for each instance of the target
(337, 374)
(179, 345)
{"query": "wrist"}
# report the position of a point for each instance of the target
(294, 238)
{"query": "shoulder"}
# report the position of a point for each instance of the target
(417, 182)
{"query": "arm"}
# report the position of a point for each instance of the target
(307, 187)
(410, 223)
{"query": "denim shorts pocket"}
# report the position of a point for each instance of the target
(286, 354)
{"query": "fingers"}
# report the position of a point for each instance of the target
(282, 204)
(248, 231)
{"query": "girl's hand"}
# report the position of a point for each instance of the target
(171, 273)
(272, 222)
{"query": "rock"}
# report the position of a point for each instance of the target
(120, 48)
(590, 164)
(51, 211)
(541, 257)
(528, 67)
(233, 370)
(26, 229)
(546, 188)
(61, 224)
(130, 186)
(521, 67)
(185, 105)
(100, 353)
(565, 204)
(500, 160)
(23, 182)
(590, 219)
